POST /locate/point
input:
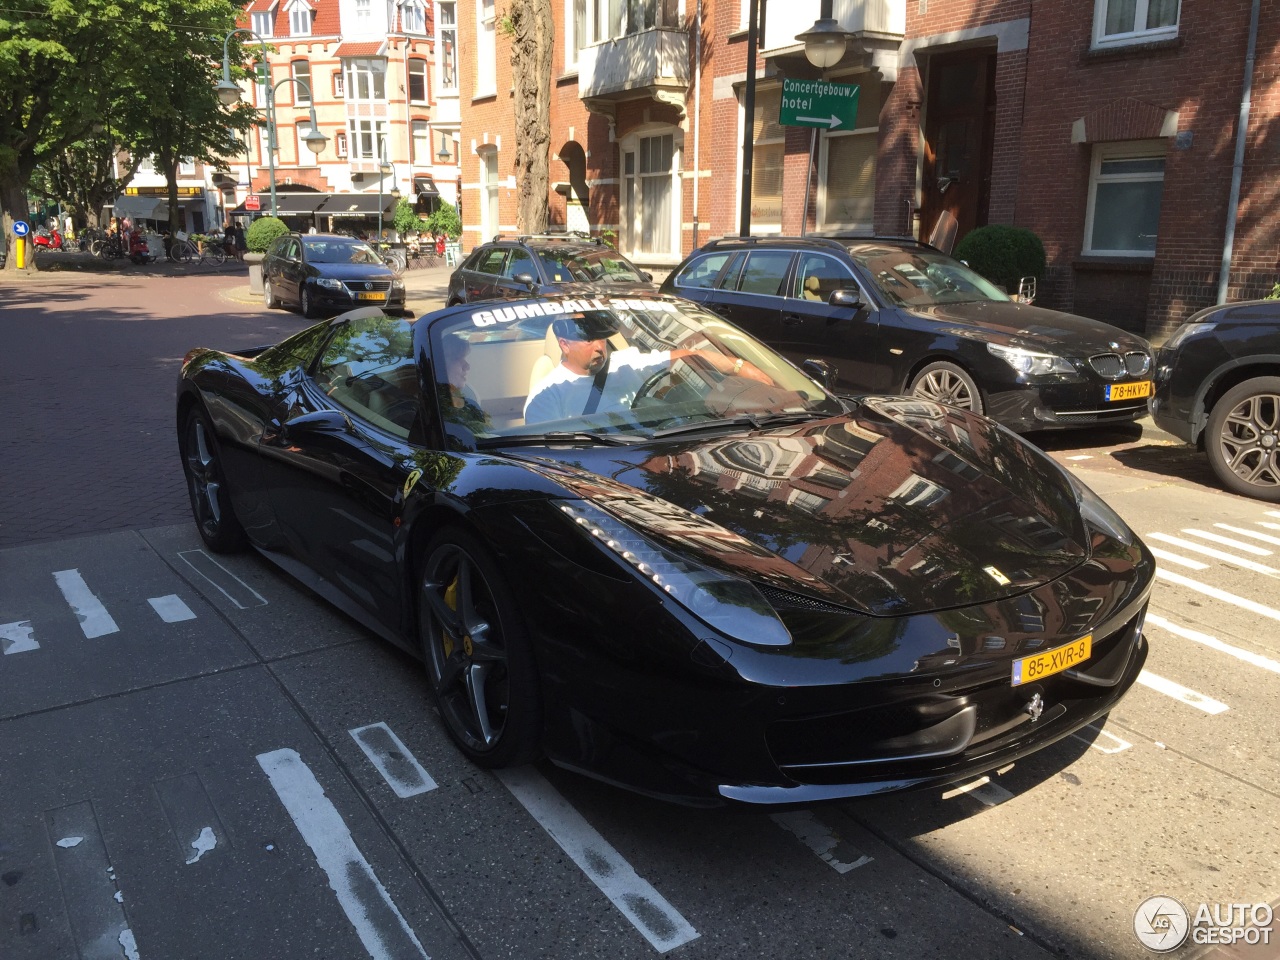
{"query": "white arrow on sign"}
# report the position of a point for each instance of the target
(832, 121)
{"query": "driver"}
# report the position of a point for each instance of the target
(593, 376)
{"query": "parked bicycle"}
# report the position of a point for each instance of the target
(183, 250)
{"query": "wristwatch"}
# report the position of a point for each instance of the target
(738, 366)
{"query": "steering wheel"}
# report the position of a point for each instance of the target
(649, 392)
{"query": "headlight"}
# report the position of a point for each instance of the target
(1031, 362)
(1096, 513)
(328, 284)
(1186, 332)
(397, 284)
(731, 605)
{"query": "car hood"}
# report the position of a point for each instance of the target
(1020, 324)
(899, 508)
(353, 271)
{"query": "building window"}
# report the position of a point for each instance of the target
(486, 49)
(366, 79)
(420, 142)
(575, 27)
(417, 81)
(187, 167)
(447, 44)
(262, 24)
(767, 154)
(337, 84)
(300, 17)
(605, 19)
(1117, 22)
(488, 192)
(413, 18)
(340, 145)
(648, 190)
(368, 139)
(364, 15)
(847, 192)
(1126, 184)
(301, 89)
(264, 143)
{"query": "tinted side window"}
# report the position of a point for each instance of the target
(277, 247)
(764, 272)
(491, 262)
(731, 274)
(520, 262)
(818, 276)
(368, 368)
(703, 271)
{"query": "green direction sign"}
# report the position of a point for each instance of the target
(819, 103)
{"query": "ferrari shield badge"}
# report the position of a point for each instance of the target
(410, 480)
(996, 575)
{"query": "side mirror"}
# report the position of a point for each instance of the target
(647, 275)
(321, 421)
(845, 298)
(818, 370)
(527, 279)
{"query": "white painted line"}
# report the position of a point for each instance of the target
(660, 922)
(191, 815)
(94, 901)
(1256, 659)
(1216, 554)
(377, 921)
(1117, 746)
(1179, 692)
(819, 838)
(171, 608)
(94, 619)
(17, 637)
(1273, 513)
(981, 789)
(398, 766)
(1081, 456)
(1269, 526)
(1229, 542)
(195, 559)
(1242, 602)
(1254, 534)
(1174, 558)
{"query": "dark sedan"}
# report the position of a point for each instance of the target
(569, 264)
(327, 273)
(1218, 387)
(897, 316)
(722, 584)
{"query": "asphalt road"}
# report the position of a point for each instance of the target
(199, 759)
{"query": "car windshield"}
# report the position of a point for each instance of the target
(522, 372)
(565, 265)
(339, 251)
(921, 278)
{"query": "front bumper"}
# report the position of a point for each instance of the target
(1060, 406)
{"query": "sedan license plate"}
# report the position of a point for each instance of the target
(1129, 391)
(371, 296)
(1030, 669)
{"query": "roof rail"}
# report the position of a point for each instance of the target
(748, 241)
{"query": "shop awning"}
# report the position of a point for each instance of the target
(425, 187)
(141, 207)
(356, 205)
(287, 204)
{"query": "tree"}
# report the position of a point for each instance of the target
(532, 31)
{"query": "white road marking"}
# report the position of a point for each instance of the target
(660, 922)
(94, 619)
(1119, 745)
(1216, 554)
(191, 816)
(1174, 558)
(202, 844)
(1228, 542)
(1274, 541)
(1269, 526)
(981, 789)
(1273, 513)
(90, 890)
(819, 838)
(17, 637)
(1257, 659)
(196, 559)
(1242, 602)
(1081, 456)
(376, 919)
(398, 766)
(171, 608)
(1179, 692)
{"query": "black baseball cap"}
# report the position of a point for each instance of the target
(585, 326)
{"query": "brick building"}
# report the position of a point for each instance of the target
(1108, 128)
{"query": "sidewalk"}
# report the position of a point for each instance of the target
(425, 290)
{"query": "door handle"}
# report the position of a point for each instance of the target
(791, 319)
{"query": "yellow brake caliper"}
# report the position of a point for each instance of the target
(451, 601)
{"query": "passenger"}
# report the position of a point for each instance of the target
(593, 376)
(458, 401)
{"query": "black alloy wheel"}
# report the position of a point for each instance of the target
(269, 298)
(207, 486)
(477, 653)
(1243, 436)
(945, 382)
(307, 303)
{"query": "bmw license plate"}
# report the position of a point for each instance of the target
(1030, 669)
(371, 296)
(1129, 391)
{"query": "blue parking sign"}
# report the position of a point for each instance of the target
(21, 228)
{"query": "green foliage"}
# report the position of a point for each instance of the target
(1274, 294)
(406, 218)
(444, 219)
(1003, 254)
(262, 231)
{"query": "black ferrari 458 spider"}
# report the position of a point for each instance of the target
(624, 534)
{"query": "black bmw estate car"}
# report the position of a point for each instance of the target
(892, 315)
(328, 273)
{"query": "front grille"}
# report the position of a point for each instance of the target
(1113, 366)
(367, 286)
(786, 600)
(1126, 410)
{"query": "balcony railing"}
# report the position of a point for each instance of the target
(650, 63)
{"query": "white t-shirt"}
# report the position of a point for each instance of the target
(563, 394)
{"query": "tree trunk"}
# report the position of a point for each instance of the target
(531, 50)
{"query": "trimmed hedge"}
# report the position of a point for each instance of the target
(262, 231)
(1003, 254)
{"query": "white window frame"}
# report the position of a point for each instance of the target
(486, 48)
(301, 17)
(489, 199)
(376, 130)
(187, 167)
(575, 31)
(420, 143)
(825, 221)
(447, 45)
(371, 69)
(339, 84)
(340, 145)
(1129, 150)
(630, 200)
(1101, 39)
(417, 66)
(364, 15)
(263, 23)
(301, 98)
(413, 17)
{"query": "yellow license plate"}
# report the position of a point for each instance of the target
(1129, 391)
(1030, 669)
(371, 296)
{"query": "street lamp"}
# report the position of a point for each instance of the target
(444, 155)
(229, 94)
(385, 166)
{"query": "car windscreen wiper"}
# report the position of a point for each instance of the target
(555, 436)
(755, 421)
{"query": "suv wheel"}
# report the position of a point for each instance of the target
(945, 382)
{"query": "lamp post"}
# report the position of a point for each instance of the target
(385, 166)
(824, 44)
(229, 94)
